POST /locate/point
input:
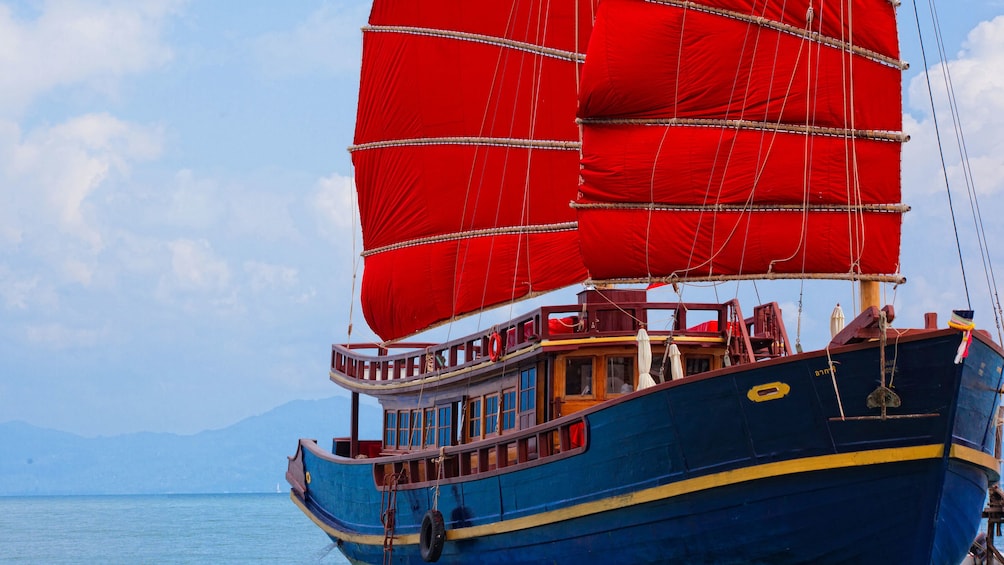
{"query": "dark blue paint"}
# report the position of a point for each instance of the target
(908, 512)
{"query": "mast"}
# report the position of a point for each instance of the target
(869, 294)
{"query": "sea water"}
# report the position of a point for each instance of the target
(203, 528)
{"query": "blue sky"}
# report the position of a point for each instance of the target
(176, 243)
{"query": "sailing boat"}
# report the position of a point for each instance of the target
(506, 149)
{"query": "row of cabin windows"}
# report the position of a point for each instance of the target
(412, 429)
(579, 375)
(482, 424)
(486, 415)
(495, 413)
(619, 377)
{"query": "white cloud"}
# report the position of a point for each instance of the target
(930, 255)
(329, 41)
(48, 176)
(261, 214)
(334, 204)
(195, 267)
(79, 271)
(23, 293)
(194, 203)
(72, 42)
(265, 276)
(58, 336)
(977, 79)
(198, 203)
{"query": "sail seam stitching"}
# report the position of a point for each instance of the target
(790, 29)
(510, 230)
(485, 39)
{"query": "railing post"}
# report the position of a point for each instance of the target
(354, 434)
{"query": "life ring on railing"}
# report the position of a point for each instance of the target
(432, 536)
(495, 347)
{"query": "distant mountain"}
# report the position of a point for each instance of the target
(249, 456)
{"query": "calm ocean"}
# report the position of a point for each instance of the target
(201, 528)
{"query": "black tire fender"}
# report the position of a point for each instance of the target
(432, 536)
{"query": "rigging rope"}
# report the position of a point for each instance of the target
(941, 152)
(968, 176)
(353, 199)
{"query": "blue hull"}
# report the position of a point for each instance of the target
(695, 471)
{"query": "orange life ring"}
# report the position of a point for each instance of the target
(495, 347)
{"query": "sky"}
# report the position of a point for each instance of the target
(177, 247)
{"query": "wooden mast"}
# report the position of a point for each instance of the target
(869, 294)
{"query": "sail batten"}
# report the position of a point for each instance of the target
(749, 208)
(484, 141)
(801, 31)
(478, 38)
(890, 278)
(510, 230)
(895, 136)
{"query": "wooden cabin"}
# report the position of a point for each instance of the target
(509, 396)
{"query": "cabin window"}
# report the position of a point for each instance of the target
(390, 429)
(491, 414)
(430, 426)
(620, 375)
(474, 427)
(579, 376)
(527, 398)
(698, 364)
(402, 429)
(509, 409)
(416, 428)
(445, 426)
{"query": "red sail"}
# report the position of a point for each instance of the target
(726, 138)
(466, 156)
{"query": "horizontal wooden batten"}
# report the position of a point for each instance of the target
(876, 135)
(480, 38)
(796, 208)
(488, 232)
(515, 143)
(888, 278)
(789, 29)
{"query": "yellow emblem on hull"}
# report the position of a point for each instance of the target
(768, 391)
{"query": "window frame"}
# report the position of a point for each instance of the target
(508, 410)
(492, 403)
(592, 376)
(632, 362)
(475, 420)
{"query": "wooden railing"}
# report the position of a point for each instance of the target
(375, 363)
(500, 454)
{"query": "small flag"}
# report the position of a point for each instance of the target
(962, 320)
(963, 351)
